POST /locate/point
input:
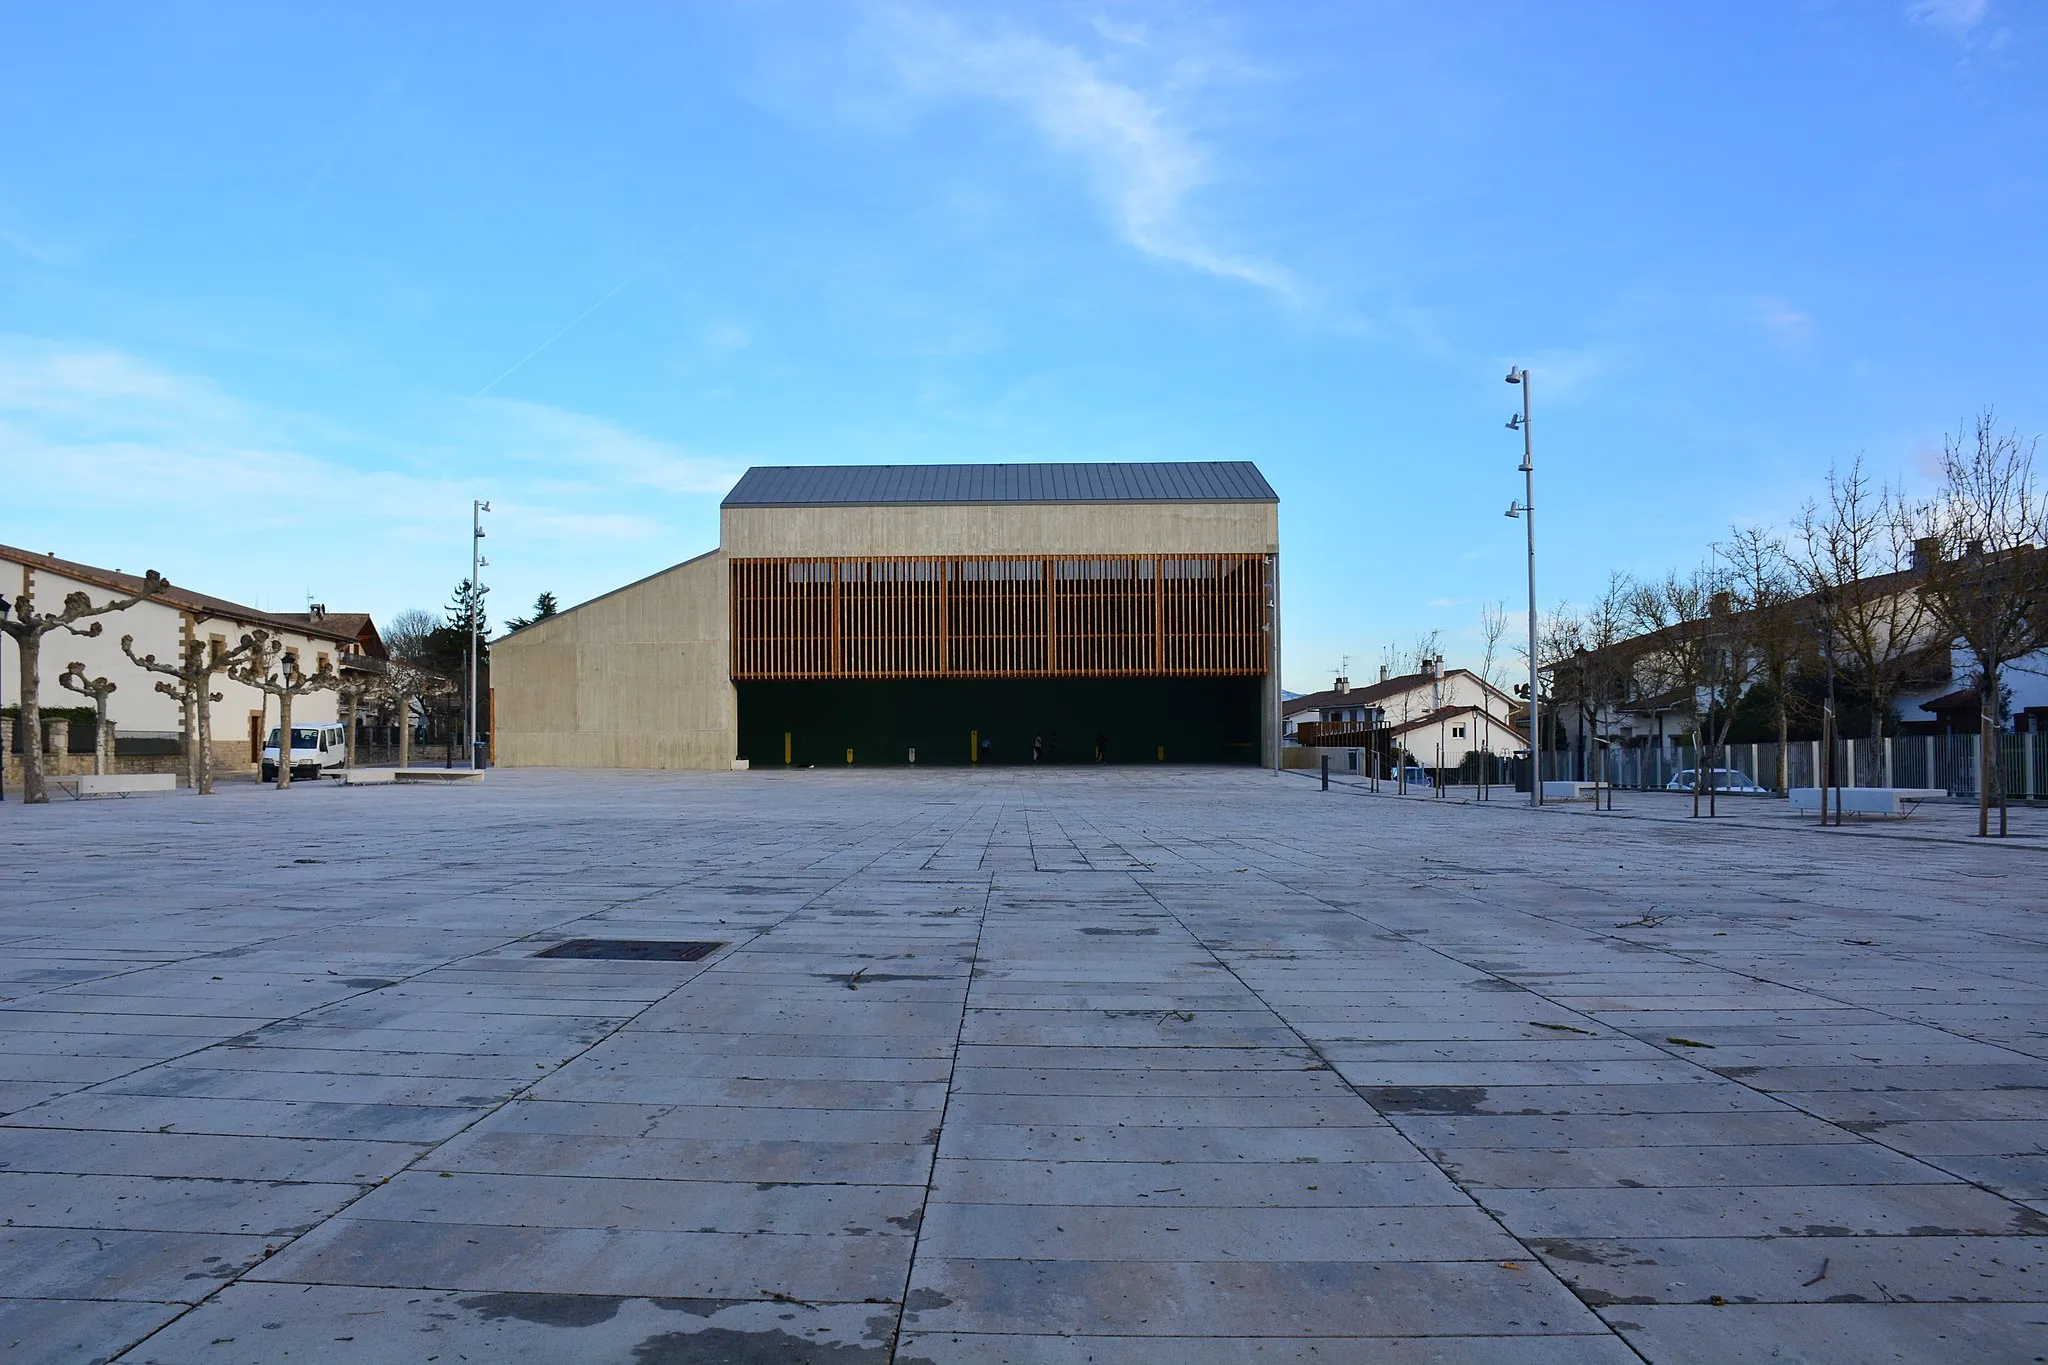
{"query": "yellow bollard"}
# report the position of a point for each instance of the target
(785, 748)
(974, 746)
(1162, 753)
(849, 758)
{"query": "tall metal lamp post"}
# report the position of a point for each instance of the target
(1526, 510)
(476, 622)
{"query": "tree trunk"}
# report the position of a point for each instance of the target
(203, 776)
(348, 757)
(30, 724)
(99, 735)
(284, 740)
(190, 720)
(1784, 781)
(1986, 702)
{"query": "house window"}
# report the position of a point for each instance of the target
(1457, 732)
(322, 658)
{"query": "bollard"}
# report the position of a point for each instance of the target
(1326, 772)
(913, 758)
(849, 758)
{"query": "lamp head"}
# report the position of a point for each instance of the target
(1515, 422)
(1514, 509)
(1515, 375)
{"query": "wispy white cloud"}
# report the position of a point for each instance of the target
(1956, 16)
(1786, 325)
(1557, 374)
(112, 456)
(578, 445)
(1142, 163)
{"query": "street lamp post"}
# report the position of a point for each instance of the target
(1526, 509)
(476, 564)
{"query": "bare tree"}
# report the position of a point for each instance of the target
(1985, 573)
(404, 683)
(406, 634)
(73, 679)
(1606, 663)
(1493, 623)
(28, 627)
(191, 686)
(1692, 645)
(274, 670)
(351, 691)
(1773, 628)
(1856, 553)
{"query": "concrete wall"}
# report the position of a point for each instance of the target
(1003, 528)
(639, 678)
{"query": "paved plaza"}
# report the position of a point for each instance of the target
(1117, 1065)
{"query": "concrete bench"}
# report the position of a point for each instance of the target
(384, 777)
(1894, 802)
(1568, 791)
(116, 784)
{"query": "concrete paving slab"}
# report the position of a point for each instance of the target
(1050, 1065)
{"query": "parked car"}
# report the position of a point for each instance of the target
(318, 748)
(1418, 778)
(1718, 779)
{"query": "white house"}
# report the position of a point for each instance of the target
(161, 625)
(1396, 702)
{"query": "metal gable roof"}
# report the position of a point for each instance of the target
(866, 485)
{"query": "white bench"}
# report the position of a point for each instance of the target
(1895, 802)
(384, 777)
(117, 784)
(1569, 791)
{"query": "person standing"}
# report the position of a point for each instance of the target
(1037, 747)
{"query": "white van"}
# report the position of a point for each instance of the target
(321, 747)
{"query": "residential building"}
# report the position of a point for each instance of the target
(160, 626)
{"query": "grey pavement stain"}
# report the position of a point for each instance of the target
(722, 1346)
(548, 1310)
(1426, 1099)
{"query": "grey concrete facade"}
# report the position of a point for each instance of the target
(1117, 1065)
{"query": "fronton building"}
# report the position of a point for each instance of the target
(936, 614)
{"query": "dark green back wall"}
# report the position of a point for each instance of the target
(1198, 720)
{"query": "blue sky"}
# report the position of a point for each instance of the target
(283, 287)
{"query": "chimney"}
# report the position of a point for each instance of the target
(1383, 672)
(1343, 685)
(1926, 551)
(317, 610)
(1722, 604)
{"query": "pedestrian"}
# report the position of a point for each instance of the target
(1037, 745)
(1101, 747)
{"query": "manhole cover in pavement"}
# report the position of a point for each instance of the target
(633, 949)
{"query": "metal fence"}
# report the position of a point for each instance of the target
(1946, 762)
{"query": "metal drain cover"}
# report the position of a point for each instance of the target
(634, 949)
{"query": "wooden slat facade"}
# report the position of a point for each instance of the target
(999, 616)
